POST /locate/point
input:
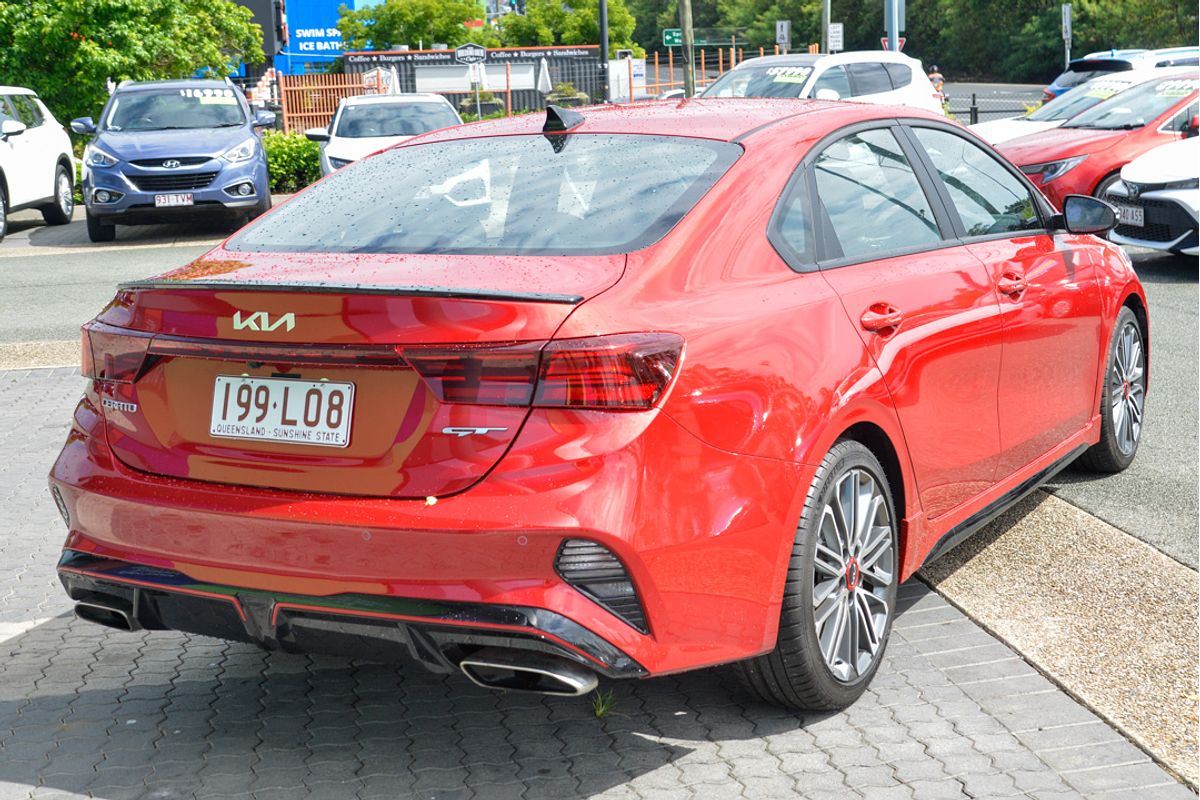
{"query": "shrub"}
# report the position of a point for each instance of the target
(293, 161)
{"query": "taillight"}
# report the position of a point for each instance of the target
(473, 375)
(628, 371)
(113, 354)
(624, 371)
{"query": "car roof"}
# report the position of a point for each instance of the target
(720, 118)
(16, 90)
(811, 59)
(409, 97)
(178, 83)
(1139, 75)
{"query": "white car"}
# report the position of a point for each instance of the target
(869, 76)
(37, 169)
(1065, 106)
(1158, 198)
(369, 123)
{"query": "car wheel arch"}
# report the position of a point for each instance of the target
(1137, 304)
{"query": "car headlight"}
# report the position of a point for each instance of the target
(243, 152)
(93, 156)
(337, 163)
(1053, 169)
(1190, 183)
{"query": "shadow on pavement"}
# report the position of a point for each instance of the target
(164, 715)
(1167, 268)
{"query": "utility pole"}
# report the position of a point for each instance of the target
(604, 46)
(893, 28)
(824, 26)
(689, 47)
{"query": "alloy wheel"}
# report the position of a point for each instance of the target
(854, 567)
(1127, 387)
(66, 200)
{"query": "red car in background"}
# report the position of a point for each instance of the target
(546, 398)
(1085, 154)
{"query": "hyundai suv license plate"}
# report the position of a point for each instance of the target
(1131, 215)
(165, 200)
(282, 410)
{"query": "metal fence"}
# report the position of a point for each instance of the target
(972, 109)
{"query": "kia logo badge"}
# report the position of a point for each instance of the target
(170, 163)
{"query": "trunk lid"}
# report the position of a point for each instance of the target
(385, 326)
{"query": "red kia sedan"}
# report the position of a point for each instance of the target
(1085, 154)
(621, 392)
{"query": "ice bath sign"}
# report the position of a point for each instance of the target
(470, 54)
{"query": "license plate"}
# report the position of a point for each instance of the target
(282, 410)
(166, 200)
(1131, 215)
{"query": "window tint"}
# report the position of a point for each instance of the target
(833, 78)
(792, 223)
(1180, 122)
(27, 110)
(534, 195)
(900, 74)
(7, 111)
(869, 79)
(989, 198)
(872, 197)
(362, 120)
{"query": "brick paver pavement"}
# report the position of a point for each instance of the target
(85, 711)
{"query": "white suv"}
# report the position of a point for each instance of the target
(869, 76)
(36, 166)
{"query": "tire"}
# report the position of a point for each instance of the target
(3, 214)
(1122, 400)
(808, 669)
(99, 232)
(1105, 184)
(59, 212)
(261, 208)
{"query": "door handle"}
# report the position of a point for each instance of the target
(1012, 284)
(880, 317)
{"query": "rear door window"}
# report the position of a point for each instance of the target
(869, 79)
(834, 78)
(900, 74)
(873, 199)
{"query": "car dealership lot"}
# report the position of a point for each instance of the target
(952, 713)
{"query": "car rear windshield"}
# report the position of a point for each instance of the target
(1081, 71)
(1135, 108)
(563, 194)
(174, 109)
(365, 120)
(762, 80)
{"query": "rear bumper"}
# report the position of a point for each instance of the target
(436, 634)
(703, 534)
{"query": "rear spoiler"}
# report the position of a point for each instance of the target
(356, 288)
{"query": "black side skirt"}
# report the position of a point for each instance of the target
(971, 525)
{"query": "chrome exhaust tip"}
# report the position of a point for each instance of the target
(525, 671)
(106, 615)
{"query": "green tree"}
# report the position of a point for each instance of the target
(67, 50)
(414, 23)
(551, 22)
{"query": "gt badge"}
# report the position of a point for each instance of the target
(461, 432)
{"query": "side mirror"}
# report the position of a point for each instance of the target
(11, 127)
(1085, 214)
(317, 135)
(83, 125)
(1193, 127)
(828, 94)
(264, 119)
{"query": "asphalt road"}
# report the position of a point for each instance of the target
(52, 280)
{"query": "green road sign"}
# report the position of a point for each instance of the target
(672, 37)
